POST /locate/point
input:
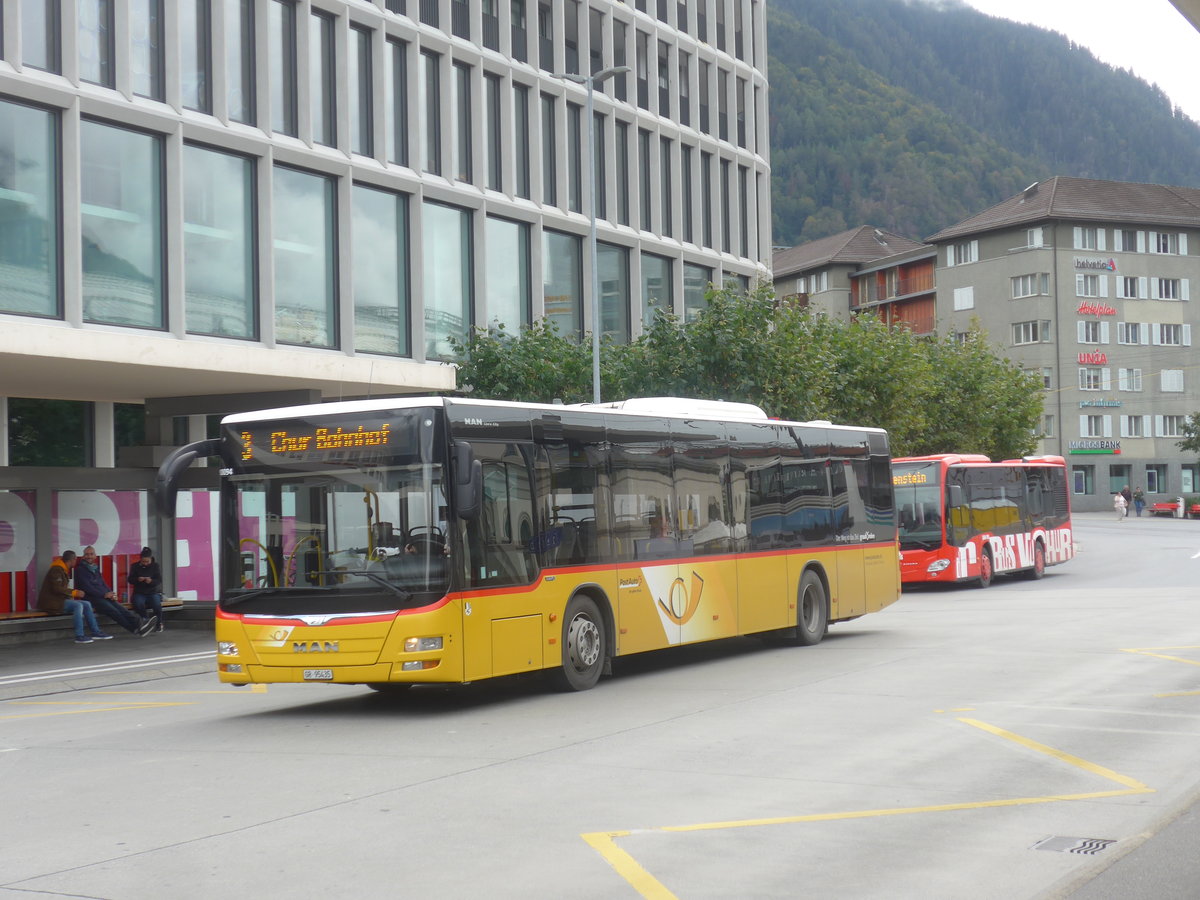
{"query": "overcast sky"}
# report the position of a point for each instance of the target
(1148, 36)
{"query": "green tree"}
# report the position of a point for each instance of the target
(932, 396)
(1191, 434)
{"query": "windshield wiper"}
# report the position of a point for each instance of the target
(394, 588)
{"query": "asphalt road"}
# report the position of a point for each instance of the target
(1034, 740)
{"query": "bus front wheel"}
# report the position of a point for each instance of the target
(812, 610)
(1039, 562)
(985, 569)
(584, 646)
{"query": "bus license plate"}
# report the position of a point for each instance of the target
(318, 674)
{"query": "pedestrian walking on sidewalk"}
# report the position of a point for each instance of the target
(56, 597)
(1119, 505)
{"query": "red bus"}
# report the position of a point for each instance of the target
(964, 518)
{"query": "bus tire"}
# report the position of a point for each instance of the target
(986, 570)
(584, 646)
(1039, 562)
(812, 610)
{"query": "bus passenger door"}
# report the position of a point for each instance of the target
(849, 527)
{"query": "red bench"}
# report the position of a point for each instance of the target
(1171, 508)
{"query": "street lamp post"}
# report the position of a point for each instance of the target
(590, 81)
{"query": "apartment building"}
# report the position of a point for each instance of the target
(1088, 284)
(209, 206)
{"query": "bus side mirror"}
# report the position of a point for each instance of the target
(956, 496)
(468, 481)
(166, 482)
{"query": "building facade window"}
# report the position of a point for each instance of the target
(1048, 378)
(1169, 335)
(1091, 285)
(645, 176)
(695, 288)
(240, 76)
(623, 175)
(49, 432)
(509, 283)
(574, 157)
(1133, 333)
(1169, 289)
(1171, 380)
(1129, 379)
(430, 93)
(1093, 378)
(305, 257)
(449, 290)
(1035, 331)
(321, 86)
(396, 103)
(1135, 426)
(1095, 426)
(195, 64)
(613, 264)
(494, 143)
(1083, 479)
(1168, 242)
(29, 210)
(964, 298)
(549, 153)
(685, 185)
(562, 281)
(96, 42)
(463, 168)
(666, 176)
(1129, 240)
(379, 248)
(657, 287)
(1047, 426)
(362, 119)
(121, 218)
(706, 196)
(1091, 331)
(1170, 426)
(281, 21)
(962, 253)
(1089, 238)
(1030, 285)
(521, 154)
(219, 271)
(1131, 287)
(146, 48)
(1156, 479)
(600, 164)
(41, 41)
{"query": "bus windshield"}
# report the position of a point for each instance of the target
(350, 538)
(918, 491)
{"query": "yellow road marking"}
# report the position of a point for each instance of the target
(604, 842)
(89, 709)
(1178, 694)
(255, 689)
(1148, 651)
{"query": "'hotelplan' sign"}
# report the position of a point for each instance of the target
(1091, 446)
(1095, 262)
(1095, 309)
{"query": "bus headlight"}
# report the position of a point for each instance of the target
(415, 644)
(938, 565)
(227, 648)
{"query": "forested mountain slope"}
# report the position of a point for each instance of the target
(913, 115)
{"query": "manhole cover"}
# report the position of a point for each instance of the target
(1059, 844)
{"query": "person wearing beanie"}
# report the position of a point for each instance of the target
(145, 580)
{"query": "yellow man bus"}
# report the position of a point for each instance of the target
(394, 542)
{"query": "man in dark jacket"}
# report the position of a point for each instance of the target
(145, 578)
(57, 598)
(103, 599)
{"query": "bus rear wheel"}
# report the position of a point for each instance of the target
(584, 646)
(986, 572)
(1039, 562)
(812, 610)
